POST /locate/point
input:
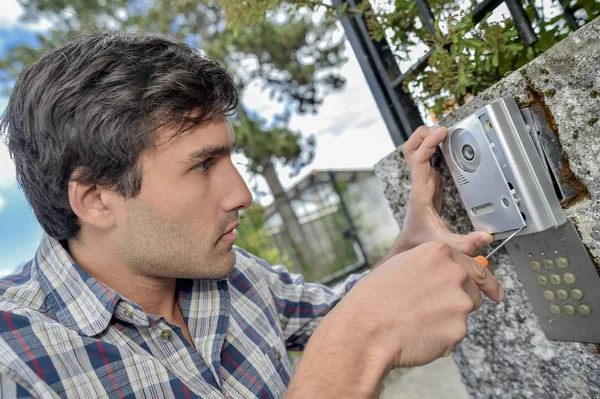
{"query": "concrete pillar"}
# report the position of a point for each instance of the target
(505, 354)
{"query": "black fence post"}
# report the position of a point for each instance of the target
(348, 217)
(522, 23)
(381, 71)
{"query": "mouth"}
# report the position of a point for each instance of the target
(230, 235)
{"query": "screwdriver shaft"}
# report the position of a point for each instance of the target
(504, 242)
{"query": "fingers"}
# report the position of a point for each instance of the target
(416, 139)
(473, 291)
(480, 275)
(438, 199)
(419, 161)
(470, 243)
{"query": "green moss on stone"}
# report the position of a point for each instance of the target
(544, 71)
(550, 92)
(593, 94)
(592, 121)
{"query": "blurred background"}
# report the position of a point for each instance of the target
(329, 87)
(309, 127)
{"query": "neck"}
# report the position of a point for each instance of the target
(154, 295)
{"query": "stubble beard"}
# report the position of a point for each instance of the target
(162, 249)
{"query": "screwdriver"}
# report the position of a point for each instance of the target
(484, 260)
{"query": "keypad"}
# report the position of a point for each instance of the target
(548, 264)
(569, 278)
(555, 279)
(562, 294)
(577, 294)
(557, 284)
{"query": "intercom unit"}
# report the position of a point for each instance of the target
(504, 162)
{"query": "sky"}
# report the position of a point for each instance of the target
(349, 131)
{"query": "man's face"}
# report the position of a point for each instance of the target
(190, 197)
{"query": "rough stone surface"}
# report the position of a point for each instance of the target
(505, 354)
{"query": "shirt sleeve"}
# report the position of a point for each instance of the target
(300, 305)
(11, 388)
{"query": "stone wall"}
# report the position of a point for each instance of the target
(505, 354)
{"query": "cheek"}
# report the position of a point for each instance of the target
(189, 201)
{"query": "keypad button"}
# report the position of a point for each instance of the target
(555, 310)
(584, 310)
(542, 280)
(536, 266)
(569, 278)
(548, 295)
(166, 334)
(562, 294)
(569, 310)
(548, 264)
(561, 263)
(577, 294)
(555, 279)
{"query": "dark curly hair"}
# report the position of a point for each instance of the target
(94, 104)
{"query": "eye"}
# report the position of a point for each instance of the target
(203, 166)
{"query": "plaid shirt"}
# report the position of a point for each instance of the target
(65, 334)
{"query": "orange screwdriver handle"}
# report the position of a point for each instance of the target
(482, 260)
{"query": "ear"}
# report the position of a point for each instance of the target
(93, 204)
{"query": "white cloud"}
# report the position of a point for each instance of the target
(12, 13)
(349, 129)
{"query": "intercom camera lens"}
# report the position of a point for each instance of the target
(468, 152)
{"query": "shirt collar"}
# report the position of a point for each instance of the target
(80, 302)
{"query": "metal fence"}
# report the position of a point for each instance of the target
(339, 237)
(383, 74)
(330, 239)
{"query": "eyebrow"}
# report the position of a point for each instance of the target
(210, 151)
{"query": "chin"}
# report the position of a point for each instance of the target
(222, 266)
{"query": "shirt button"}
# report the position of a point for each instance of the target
(128, 312)
(166, 334)
(278, 355)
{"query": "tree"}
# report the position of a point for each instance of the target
(296, 59)
(466, 59)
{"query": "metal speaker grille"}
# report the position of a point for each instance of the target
(460, 179)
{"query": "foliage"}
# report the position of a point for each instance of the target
(296, 57)
(253, 237)
(466, 59)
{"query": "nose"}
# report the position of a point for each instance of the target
(239, 196)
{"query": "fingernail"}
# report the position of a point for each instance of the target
(484, 239)
(501, 293)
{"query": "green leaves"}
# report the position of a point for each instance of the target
(496, 58)
(515, 46)
(474, 42)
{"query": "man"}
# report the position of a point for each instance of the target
(122, 146)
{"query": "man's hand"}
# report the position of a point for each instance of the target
(422, 222)
(408, 312)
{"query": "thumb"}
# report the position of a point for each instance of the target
(468, 244)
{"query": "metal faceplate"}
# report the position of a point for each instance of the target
(502, 182)
(561, 282)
